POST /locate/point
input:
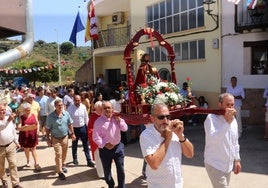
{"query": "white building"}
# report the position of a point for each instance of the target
(212, 42)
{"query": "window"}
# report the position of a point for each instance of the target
(259, 60)
(165, 74)
(157, 54)
(257, 57)
(190, 50)
(170, 16)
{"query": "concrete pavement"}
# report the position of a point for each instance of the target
(254, 154)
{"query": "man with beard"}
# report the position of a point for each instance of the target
(162, 145)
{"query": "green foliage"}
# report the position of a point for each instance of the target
(66, 48)
(47, 75)
(44, 54)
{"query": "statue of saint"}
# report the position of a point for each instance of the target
(145, 69)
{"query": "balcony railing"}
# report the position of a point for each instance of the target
(248, 19)
(113, 37)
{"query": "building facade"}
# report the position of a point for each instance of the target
(206, 37)
(244, 41)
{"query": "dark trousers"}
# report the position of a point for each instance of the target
(81, 133)
(117, 155)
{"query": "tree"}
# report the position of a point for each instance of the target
(66, 48)
(46, 75)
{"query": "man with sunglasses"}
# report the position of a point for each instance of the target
(162, 145)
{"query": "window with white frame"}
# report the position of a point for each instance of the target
(157, 54)
(189, 50)
(170, 16)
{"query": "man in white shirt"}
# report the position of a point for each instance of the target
(162, 145)
(238, 92)
(78, 113)
(50, 104)
(8, 145)
(222, 148)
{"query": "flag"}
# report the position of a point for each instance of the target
(87, 31)
(91, 26)
(251, 4)
(78, 26)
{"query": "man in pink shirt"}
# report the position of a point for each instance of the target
(106, 134)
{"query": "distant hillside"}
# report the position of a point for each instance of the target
(48, 52)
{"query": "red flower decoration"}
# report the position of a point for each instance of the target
(188, 79)
(150, 82)
(144, 85)
(167, 89)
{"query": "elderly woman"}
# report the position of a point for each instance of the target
(28, 136)
(93, 146)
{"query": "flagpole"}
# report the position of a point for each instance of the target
(59, 65)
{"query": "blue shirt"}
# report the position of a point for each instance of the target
(42, 102)
(59, 126)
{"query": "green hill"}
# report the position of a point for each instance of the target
(48, 52)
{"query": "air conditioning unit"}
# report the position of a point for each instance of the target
(118, 18)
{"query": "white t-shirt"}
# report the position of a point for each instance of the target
(168, 175)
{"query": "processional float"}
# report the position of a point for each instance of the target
(136, 113)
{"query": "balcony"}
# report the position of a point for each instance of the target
(108, 7)
(112, 37)
(12, 22)
(251, 18)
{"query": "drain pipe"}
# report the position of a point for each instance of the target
(27, 46)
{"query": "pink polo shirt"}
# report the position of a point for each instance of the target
(108, 130)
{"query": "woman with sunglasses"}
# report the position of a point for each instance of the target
(162, 145)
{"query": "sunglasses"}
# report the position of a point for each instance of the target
(163, 117)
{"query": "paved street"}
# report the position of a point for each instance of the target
(254, 154)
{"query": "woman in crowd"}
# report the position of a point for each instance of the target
(93, 146)
(91, 100)
(28, 136)
(85, 100)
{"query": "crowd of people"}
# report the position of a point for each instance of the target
(55, 116)
(87, 115)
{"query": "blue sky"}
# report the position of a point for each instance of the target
(57, 16)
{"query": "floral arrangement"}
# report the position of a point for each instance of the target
(160, 91)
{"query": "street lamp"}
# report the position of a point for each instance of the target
(59, 65)
(215, 17)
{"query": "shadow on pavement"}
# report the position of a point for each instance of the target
(253, 148)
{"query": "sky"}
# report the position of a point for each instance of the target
(54, 18)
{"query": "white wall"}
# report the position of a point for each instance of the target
(236, 58)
